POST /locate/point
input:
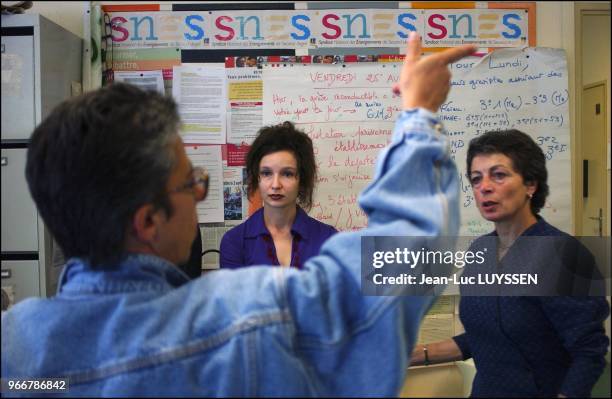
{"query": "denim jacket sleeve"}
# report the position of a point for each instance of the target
(356, 343)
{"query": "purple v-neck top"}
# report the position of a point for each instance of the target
(250, 243)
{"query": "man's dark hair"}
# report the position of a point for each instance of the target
(95, 160)
(284, 137)
(527, 159)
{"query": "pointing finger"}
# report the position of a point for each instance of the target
(413, 49)
(456, 53)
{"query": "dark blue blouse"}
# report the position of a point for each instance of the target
(250, 243)
(527, 346)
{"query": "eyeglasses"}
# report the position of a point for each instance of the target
(199, 181)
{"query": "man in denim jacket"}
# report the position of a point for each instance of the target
(110, 177)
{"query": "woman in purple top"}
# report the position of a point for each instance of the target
(282, 166)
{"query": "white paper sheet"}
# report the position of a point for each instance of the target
(349, 112)
(201, 94)
(209, 157)
(146, 80)
(211, 239)
(245, 105)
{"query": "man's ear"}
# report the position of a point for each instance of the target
(145, 223)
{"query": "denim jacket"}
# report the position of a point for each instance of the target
(146, 330)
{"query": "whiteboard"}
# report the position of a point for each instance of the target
(349, 112)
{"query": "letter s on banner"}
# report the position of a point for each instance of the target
(303, 28)
(228, 29)
(401, 21)
(336, 28)
(514, 27)
(117, 26)
(199, 31)
(442, 29)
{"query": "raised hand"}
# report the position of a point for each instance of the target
(425, 82)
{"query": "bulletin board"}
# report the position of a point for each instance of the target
(189, 45)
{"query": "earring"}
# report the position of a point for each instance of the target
(530, 195)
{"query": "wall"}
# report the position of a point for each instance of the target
(551, 33)
(68, 15)
(596, 71)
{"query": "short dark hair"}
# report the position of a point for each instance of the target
(95, 160)
(527, 159)
(284, 137)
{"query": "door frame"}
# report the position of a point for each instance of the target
(581, 10)
(604, 83)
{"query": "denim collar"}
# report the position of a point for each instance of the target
(135, 273)
(257, 227)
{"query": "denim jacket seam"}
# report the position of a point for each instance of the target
(177, 353)
(414, 126)
(421, 123)
(122, 288)
(367, 322)
(306, 368)
(279, 278)
(252, 370)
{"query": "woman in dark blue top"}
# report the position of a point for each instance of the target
(522, 346)
(281, 165)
